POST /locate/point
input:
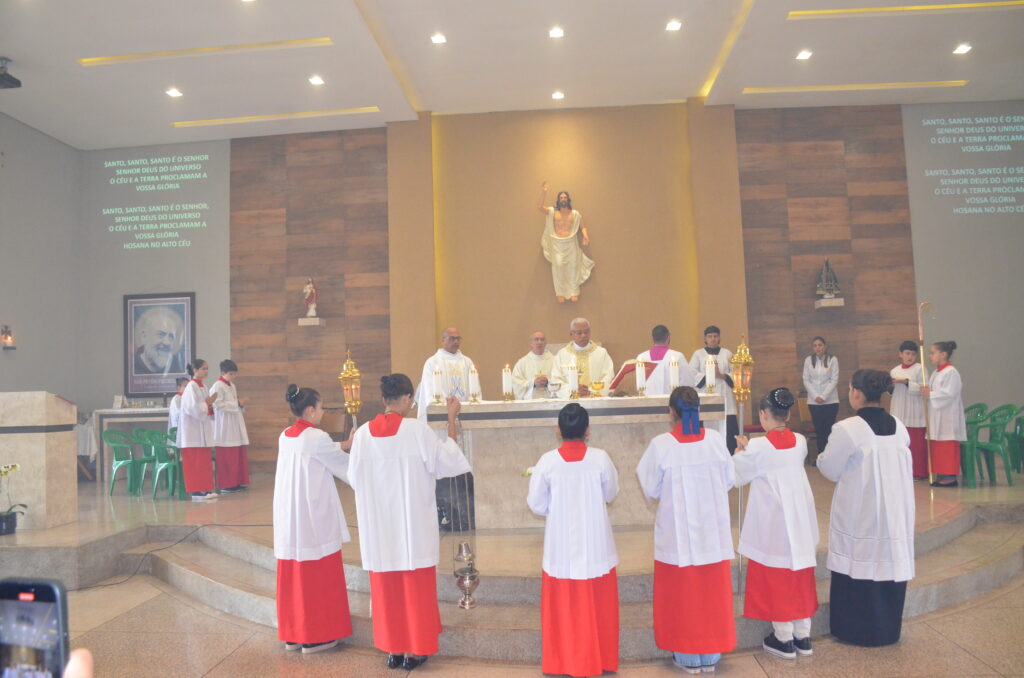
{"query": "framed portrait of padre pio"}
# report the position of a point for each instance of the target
(159, 341)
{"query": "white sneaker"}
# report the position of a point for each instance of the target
(209, 496)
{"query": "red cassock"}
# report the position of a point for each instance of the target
(312, 600)
(918, 451)
(232, 466)
(945, 457)
(693, 608)
(779, 594)
(406, 617)
(197, 467)
(579, 621)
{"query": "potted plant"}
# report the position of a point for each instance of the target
(9, 516)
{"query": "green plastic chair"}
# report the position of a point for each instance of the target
(143, 437)
(121, 447)
(970, 460)
(997, 442)
(168, 462)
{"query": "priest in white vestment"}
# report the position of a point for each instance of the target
(667, 360)
(592, 362)
(563, 225)
(729, 427)
(454, 368)
(532, 371)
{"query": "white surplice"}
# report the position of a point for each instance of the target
(906, 404)
(698, 366)
(780, 527)
(454, 369)
(578, 540)
(228, 421)
(658, 382)
(394, 479)
(526, 371)
(821, 381)
(692, 482)
(871, 526)
(173, 412)
(946, 405)
(570, 267)
(195, 426)
(309, 522)
(593, 360)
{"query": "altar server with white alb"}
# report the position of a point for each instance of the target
(395, 464)
(907, 405)
(195, 433)
(532, 372)
(947, 426)
(591, 362)
(661, 382)
(729, 427)
(174, 407)
(229, 434)
(579, 599)
(446, 372)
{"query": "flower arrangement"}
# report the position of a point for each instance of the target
(6, 470)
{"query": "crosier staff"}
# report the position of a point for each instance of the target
(925, 306)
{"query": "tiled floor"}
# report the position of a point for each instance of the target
(145, 628)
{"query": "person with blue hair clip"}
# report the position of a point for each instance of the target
(690, 472)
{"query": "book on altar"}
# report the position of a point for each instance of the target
(629, 367)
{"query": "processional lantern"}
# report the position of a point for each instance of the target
(742, 371)
(351, 386)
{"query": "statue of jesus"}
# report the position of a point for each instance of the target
(309, 295)
(570, 267)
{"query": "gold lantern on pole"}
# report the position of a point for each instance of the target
(351, 386)
(742, 371)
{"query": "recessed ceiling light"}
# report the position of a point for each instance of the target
(173, 92)
(674, 25)
(438, 39)
(248, 0)
(316, 80)
(558, 95)
(804, 54)
(962, 48)
(556, 32)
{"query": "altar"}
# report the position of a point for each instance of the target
(504, 439)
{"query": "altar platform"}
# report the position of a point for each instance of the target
(968, 542)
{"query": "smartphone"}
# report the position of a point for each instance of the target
(33, 628)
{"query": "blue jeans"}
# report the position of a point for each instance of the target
(693, 660)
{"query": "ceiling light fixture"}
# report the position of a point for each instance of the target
(804, 54)
(556, 32)
(943, 8)
(674, 25)
(173, 92)
(206, 51)
(438, 39)
(962, 48)
(558, 95)
(316, 80)
(275, 116)
(853, 87)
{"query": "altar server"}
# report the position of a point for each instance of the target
(780, 530)
(579, 596)
(532, 372)
(453, 368)
(690, 472)
(309, 529)
(395, 463)
(871, 526)
(821, 380)
(195, 433)
(660, 381)
(907, 405)
(229, 434)
(946, 423)
(728, 428)
(592, 363)
(174, 407)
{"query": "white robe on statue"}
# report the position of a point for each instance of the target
(570, 267)
(195, 426)
(660, 379)
(309, 522)
(907, 405)
(526, 371)
(454, 369)
(578, 540)
(871, 526)
(593, 360)
(394, 479)
(228, 422)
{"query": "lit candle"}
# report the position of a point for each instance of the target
(506, 380)
(474, 383)
(673, 374)
(641, 376)
(438, 385)
(709, 371)
(574, 377)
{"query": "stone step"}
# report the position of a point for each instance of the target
(982, 559)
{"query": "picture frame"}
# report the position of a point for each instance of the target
(159, 341)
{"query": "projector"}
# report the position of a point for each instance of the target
(7, 81)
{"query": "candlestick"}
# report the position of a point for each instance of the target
(709, 373)
(673, 374)
(573, 381)
(506, 384)
(438, 388)
(474, 386)
(641, 378)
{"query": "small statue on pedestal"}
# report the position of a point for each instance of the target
(309, 295)
(828, 283)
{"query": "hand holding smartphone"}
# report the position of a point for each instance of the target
(33, 628)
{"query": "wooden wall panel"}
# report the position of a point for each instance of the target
(307, 205)
(816, 183)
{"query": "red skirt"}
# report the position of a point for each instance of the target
(312, 600)
(693, 608)
(778, 594)
(579, 625)
(918, 451)
(197, 467)
(945, 457)
(232, 466)
(405, 613)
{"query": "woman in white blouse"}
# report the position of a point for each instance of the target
(821, 379)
